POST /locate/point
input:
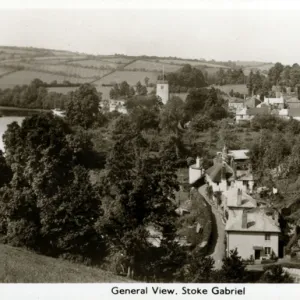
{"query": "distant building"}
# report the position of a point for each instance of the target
(196, 171)
(162, 91)
(117, 105)
(275, 102)
(247, 114)
(294, 113)
(235, 104)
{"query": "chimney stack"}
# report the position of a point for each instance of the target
(198, 162)
(239, 197)
(244, 219)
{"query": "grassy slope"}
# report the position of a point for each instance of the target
(21, 266)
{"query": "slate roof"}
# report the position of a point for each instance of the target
(294, 112)
(232, 199)
(215, 172)
(257, 221)
(257, 111)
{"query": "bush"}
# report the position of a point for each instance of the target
(268, 261)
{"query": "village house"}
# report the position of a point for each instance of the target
(117, 105)
(247, 114)
(254, 232)
(235, 104)
(196, 171)
(294, 113)
(252, 102)
(230, 168)
(274, 102)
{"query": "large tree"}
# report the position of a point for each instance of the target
(50, 204)
(83, 107)
(141, 188)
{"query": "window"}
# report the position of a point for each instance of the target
(267, 237)
(162, 87)
(267, 250)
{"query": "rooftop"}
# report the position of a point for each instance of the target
(257, 111)
(294, 112)
(239, 154)
(246, 201)
(215, 172)
(258, 220)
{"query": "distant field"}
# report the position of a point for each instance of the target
(61, 69)
(117, 60)
(64, 53)
(211, 71)
(192, 63)
(240, 88)
(4, 70)
(104, 90)
(72, 70)
(62, 90)
(131, 77)
(152, 66)
(25, 77)
(95, 63)
(264, 67)
(249, 63)
(21, 266)
(20, 51)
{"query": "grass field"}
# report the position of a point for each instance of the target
(262, 67)
(95, 63)
(192, 63)
(61, 69)
(117, 60)
(152, 66)
(240, 88)
(25, 77)
(131, 77)
(62, 90)
(252, 64)
(4, 70)
(21, 266)
(72, 71)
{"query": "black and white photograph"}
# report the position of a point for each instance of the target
(155, 145)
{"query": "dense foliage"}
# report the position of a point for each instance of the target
(187, 77)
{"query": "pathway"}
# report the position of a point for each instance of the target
(218, 232)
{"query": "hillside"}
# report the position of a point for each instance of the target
(21, 266)
(20, 66)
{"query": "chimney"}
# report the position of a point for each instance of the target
(239, 197)
(234, 169)
(198, 162)
(244, 219)
(223, 172)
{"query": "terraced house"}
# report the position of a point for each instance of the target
(251, 226)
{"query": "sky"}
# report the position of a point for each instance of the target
(261, 35)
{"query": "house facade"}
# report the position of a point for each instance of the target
(196, 171)
(247, 114)
(254, 232)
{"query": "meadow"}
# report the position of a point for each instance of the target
(62, 89)
(25, 77)
(151, 66)
(117, 60)
(95, 63)
(131, 77)
(239, 88)
(192, 63)
(21, 266)
(4, 70)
